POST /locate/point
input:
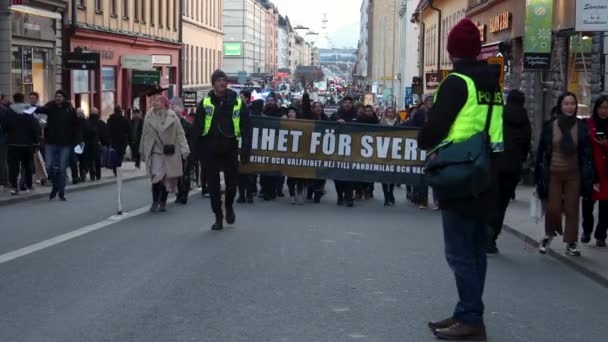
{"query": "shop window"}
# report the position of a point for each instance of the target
(81, 81)
(31, 71)
(579, 72)
(108, 88)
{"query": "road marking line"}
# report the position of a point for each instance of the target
(69, 236)
(79, 232)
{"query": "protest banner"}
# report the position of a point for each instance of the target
(329, 150)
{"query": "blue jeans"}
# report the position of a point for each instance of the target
(57, 158)
(465, 243)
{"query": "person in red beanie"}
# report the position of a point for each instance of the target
(465, 100)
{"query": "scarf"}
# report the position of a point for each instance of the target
(565, 124)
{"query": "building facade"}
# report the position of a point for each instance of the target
(31, 44)
(383, 51)
(283, 43)
(272, 28)
(202, 38)
(434, 26)
(363, 51)
(409, 62)
(138, 43)
(244, 37)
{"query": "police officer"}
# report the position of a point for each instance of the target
(461, 109)
(221, 119)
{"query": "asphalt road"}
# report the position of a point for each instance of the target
(308, 273)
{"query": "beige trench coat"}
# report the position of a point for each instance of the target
(171, 132)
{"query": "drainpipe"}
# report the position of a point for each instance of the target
(180, 36)
(431, 5)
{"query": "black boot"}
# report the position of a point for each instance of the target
(230, 215)
(219, 223)
(155, 198)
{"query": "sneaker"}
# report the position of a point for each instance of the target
(14, 192)
(544, 244)
(600, 243)
(586, 238)
(572, 250)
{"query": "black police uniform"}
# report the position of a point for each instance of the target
(219, 151)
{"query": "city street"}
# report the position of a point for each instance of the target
(281, 273)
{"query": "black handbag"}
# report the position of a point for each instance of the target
(168, 149)
(462, 170)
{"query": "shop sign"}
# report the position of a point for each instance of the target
(33, 26)
(145, 77)
(81, 61)
(136, 62)
(161, 59)
(432, 80)
(233, 49)
(482, 31)
(500, 61)
(537, 39)
(591, 15)
(190, 99)
(500, 22)
(27, 75)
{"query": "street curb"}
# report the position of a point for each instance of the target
(88, 186)
(595, 276)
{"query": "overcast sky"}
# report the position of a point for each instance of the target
(343, 17)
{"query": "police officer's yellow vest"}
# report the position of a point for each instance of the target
(472, 117)
(209, 108)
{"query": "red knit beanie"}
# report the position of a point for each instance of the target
(464, 40)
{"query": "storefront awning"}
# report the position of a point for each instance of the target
(36, 11)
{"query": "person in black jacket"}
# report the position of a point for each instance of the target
(365, 190)
(217, 144)
(61, 135)
(318, 185)
(465, 219)
(518, 137)
(344, 189)
(22, 134)
(185, 181)
(137, 124)
(247, 182)
(564, 173)
(95, 136)
(120, 133)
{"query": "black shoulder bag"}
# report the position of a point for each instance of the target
(168, 149)
(462, 170)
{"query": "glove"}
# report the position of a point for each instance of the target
(245, 155)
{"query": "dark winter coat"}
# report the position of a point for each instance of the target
(517, 138)
(120, 132)
(62, 126)
(221, 139)
(542, 172)
(137, 125)
(95, 135)
(21, 129)
(348, 116)
(451, 98)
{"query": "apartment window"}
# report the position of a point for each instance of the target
(160, 13)
(196, 64)
(125, 9)
(143, 11)
(98, 6)
(80, 4)
(152, 14)
(113, 8)
(136, 10)
(168, 15)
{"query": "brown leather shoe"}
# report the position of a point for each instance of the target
(446, 323)
(462, 332)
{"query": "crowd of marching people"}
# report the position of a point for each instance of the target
(570, 159)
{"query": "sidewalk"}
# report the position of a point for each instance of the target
(107, 177)
(593, 262)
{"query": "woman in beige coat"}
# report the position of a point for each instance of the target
(163, 147)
